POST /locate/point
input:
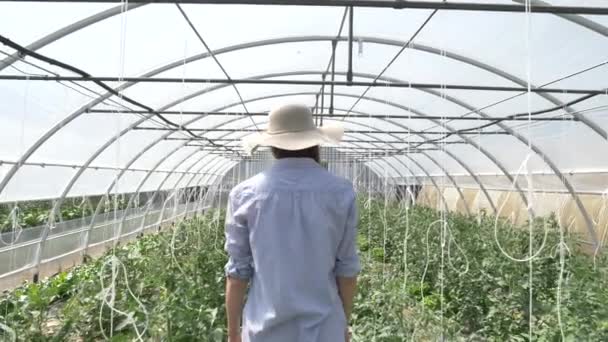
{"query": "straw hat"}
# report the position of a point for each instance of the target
(291, 127)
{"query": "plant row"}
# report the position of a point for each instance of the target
(426, 276)
(36, 213)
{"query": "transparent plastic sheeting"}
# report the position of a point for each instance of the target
(295, 43)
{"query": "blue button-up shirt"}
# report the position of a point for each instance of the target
(291, 231)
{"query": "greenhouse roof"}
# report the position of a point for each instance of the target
(100, 96)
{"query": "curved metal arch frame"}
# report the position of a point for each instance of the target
(371, 137)
(482, 150)
(172, 65)
(463, 104)
(423, 136)
(169, 174)
(150, 172)
(134, 124)
(215, 160)
(390, 42)
(489, 155)
(117, 178)
(108, 13)
(224, 123)
(143, 181)
(460, 58)
(379, 141)
(525, 141)
(374, 166)
(158, 189)
(136, 157)
(467, 207)
(213, 166)
(544, 157)
(467, 169)
(439, 191)
(574, 18)
(203, 197)
(376, 163)
(214, 169)
(219, 174)
(361, 164)
(435, 185)
(71, 28)
(100, 16)
(43, 238)
(488, 197)
(109, 189)
(86, 238)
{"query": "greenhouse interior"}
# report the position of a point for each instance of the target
(475, 137)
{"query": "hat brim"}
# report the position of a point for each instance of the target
(329, 134)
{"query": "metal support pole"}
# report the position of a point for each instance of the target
(316, 109)
(323, 96)
(349, 73)
(333, 76)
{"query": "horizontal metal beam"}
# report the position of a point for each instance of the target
(351, 156)
(90, 167)
(345, 131)
(393, 142)
(345, 161)
(340, 115)
(298, 82)
(395, 4)
(337, 149)
(341, 154)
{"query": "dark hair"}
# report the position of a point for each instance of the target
(311, 152)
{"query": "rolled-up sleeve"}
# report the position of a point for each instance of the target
(347, 260)
(240, 261)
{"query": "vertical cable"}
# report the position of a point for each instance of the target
(528, 169)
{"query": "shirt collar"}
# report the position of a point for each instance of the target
(294, 163)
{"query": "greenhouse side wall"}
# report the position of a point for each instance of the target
(70, 242)
(510, 206)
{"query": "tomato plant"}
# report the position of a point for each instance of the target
(426, 276)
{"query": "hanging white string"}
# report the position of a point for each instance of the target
(563, 249)
(528, 173)
(531, 255)
(408, 185)
(118, 124)
(384, 224)
(16, 228)
(479, 192)
(108, 297)
(444, 222)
